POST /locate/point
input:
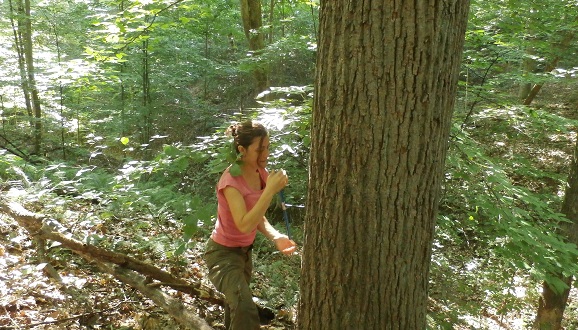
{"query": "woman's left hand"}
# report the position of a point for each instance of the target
(285, 245)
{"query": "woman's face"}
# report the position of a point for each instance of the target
(257, 153)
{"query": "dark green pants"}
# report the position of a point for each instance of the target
(230, 272)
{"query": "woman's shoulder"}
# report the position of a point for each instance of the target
(227, 179)
(226, 175)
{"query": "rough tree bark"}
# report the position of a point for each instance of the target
(551, 304)
(251, 14)
(385, 86)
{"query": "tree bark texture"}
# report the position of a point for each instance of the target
(18, 44)
(528, 66)
(552, 303)
(385, 85)
(251, 14)
(31, 83)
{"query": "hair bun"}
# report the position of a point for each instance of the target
(231, 131)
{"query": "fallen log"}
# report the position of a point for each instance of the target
(172, 306)
(129, 270)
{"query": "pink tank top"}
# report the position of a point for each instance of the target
(226, 232)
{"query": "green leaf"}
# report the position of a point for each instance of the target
(231, 155)
(181, 249)
(181, 164)
(235, 170)
(556, 284)
(171, 151)
(219, 167)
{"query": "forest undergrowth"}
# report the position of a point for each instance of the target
(85, 298)
(493, 284)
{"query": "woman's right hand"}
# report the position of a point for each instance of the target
(276, 181)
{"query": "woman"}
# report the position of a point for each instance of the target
(242, 203)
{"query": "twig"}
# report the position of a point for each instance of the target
(146, 28)
(16, 151)
(66, 319)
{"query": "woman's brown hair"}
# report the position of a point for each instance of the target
(244, 133)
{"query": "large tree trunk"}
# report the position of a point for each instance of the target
(552, 303)
(385, 86)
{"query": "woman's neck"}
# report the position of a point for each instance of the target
(249, 170)
(252, 177)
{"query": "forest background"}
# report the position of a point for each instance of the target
(113, 118)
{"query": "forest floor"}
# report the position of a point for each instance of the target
(86, 298)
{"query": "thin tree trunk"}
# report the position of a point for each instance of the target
(552, 303)
(18, 44)
(271, 16)
(252, 25)
(146, 96)
(537, 87)
(314, 20)
(122, 99)
(528, 67)
(27, 38)
(564, 44)
(206, 55)
(283, 18)
(60, 92)
(146, 82)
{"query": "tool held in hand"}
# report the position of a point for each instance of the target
(285, 214)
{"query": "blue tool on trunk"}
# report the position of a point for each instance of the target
(285, 214)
